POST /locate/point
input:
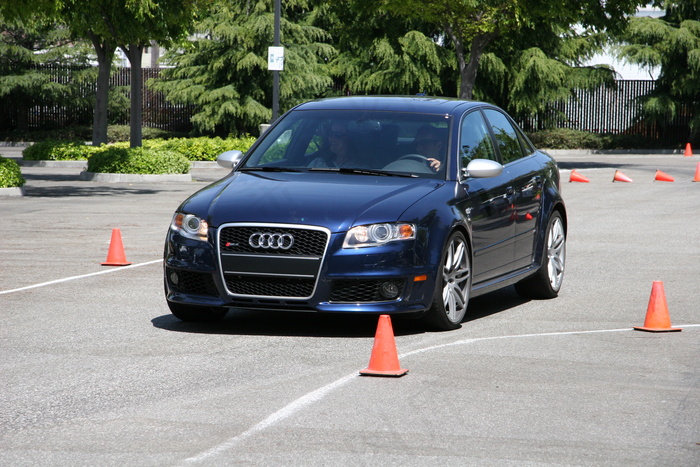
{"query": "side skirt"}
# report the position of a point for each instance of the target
(503, 281)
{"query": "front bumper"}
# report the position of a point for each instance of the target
(385, 279)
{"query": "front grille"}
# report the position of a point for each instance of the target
(270, 286)
(279, 269)
(198, 283)
(306, 242)
(353, 291)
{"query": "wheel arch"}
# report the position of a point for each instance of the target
(552, 203)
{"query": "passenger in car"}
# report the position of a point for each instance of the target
(337, 150)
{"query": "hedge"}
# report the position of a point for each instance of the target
(59, 151)
(10, 174)
(193, 149)
(138, 161)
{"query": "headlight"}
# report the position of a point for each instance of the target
(190, 226)
(378, 234)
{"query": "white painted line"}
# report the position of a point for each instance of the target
(72, 278)
(318, 394)
(283, 413)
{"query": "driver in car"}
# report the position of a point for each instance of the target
(428, 143)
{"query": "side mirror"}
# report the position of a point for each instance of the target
(229, 159)
(483, 168)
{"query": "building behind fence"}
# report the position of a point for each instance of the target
(603, 110)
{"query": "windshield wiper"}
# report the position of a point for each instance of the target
(375, 172)
(270, 169)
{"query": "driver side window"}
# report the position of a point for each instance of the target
(475, 140)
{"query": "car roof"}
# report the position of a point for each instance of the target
(422, 104)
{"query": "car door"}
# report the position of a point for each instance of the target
(487, 204)
(525, 172)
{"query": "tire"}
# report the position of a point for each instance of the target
(546, 282)
(453, 286)
(198, 314)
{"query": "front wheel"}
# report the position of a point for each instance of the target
(193, 313)
(546, 282)
(453, 286)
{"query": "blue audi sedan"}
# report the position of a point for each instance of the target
(379, 205)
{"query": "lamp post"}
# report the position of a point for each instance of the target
(276, 73)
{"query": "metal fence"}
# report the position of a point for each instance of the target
(603, 110)
(614, 110)
(20, 112)
(157, 111)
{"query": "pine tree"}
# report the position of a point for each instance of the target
(223, 70)
(380, 52)
(671, 43)
(39, 65)
(529, 71)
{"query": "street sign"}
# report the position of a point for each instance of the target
(275, 58)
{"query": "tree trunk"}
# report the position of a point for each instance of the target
(105, 54)
(134, 53)
(469, 69)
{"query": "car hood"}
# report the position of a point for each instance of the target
(332, 200)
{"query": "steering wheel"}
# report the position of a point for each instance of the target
(415, 157)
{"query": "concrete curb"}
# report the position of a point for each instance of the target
(622, 152)
(54, 164)
(13, 191)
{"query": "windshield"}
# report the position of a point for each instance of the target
(373, 143)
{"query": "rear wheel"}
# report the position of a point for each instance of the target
(453, 286)
(201, 314)
(546, 282)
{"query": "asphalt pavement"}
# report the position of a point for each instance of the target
(96, 371)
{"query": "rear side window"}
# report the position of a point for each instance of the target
(506, 136)
(475, 142)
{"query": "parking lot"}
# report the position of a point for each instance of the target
(95, 370)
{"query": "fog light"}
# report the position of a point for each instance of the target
(389, 290)
(174, 278)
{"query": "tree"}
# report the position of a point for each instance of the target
(80, 17)
(381, 52)
(530, 69)
(671, 43)
(472, 25)
(223, 69)
(131, 26)
(109, 24)
(32, 56)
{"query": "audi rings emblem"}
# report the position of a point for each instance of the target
(273, 241)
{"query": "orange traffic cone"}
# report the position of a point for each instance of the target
(115, 255)
(663, 177)
(384, 360)
(688, 150)
(657, 319)
(697, 173)
(620, 177)
(577, 177)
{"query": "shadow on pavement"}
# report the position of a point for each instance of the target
(590, 165)
(299, 324)
(73, 190)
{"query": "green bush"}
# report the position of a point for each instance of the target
(138, 161)
(59, 151)
(564, 138)
(193, 149)
(203, 149)
(119, 133)
(10, 174)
